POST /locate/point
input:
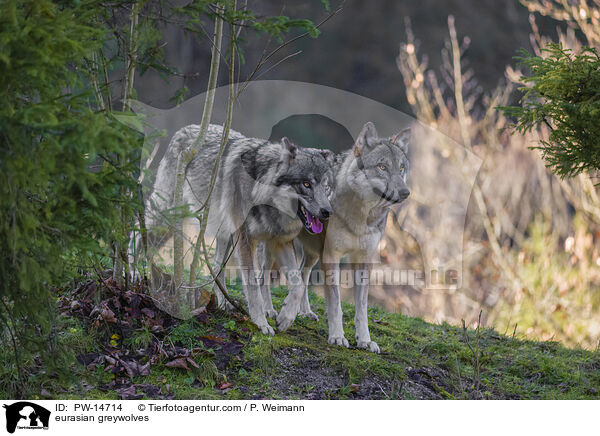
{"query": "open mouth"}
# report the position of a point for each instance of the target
(312, 224)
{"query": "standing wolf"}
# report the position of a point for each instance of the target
(264, 191)
(370, 178)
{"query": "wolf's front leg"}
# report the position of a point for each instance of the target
(286, 258)
(266, 265)
(246, 250)
(331, 266)
(305, 310)
(361, 296)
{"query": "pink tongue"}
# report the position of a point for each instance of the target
(316, 225)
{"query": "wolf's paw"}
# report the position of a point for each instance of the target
(271, 313)
(266, 329)
(369, 345)
(285, 319)
(309, 314)
(338, 340)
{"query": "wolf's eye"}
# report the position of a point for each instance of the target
(306, 184)
(326, 186)
(382, 167)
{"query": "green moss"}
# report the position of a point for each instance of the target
(77, 338)
(186, 333)
(418, 360)
(140, 338)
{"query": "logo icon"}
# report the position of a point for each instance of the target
(26, 415)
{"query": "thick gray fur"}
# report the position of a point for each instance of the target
(256, 198)
(370, 178)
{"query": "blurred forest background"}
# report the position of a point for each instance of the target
(532, 256)
(357, 48)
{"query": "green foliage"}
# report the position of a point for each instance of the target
(141, 338)
(59, 181)
(275, 26)
(187, 333)
(562, 93)
(68, 162)
(192, 18)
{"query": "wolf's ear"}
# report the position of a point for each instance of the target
(289, 150)
(328, 155)
(366, 138)
(401, 139)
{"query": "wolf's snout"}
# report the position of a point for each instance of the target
(325, 213)
(403, 194)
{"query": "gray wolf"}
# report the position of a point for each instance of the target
(370, 178)
(264, 192)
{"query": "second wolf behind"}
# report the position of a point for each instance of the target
(370, 178)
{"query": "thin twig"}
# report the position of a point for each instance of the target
(186, 156)
(233, 302)
(224, 139)
(283, 45)
(275, 65)
(475, 352)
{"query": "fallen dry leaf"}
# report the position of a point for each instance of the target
(108, 315)
(129, 393)
(224, 385)
(144, 369)
(191, 362)
(212, 338)
(204, 298)
(179, 363)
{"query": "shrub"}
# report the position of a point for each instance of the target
(59, 181)
(561, 92)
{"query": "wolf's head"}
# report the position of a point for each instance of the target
(309, 174)
(381, 166)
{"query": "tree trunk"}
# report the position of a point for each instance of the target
(120, 263)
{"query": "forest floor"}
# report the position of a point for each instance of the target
(124, 347)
